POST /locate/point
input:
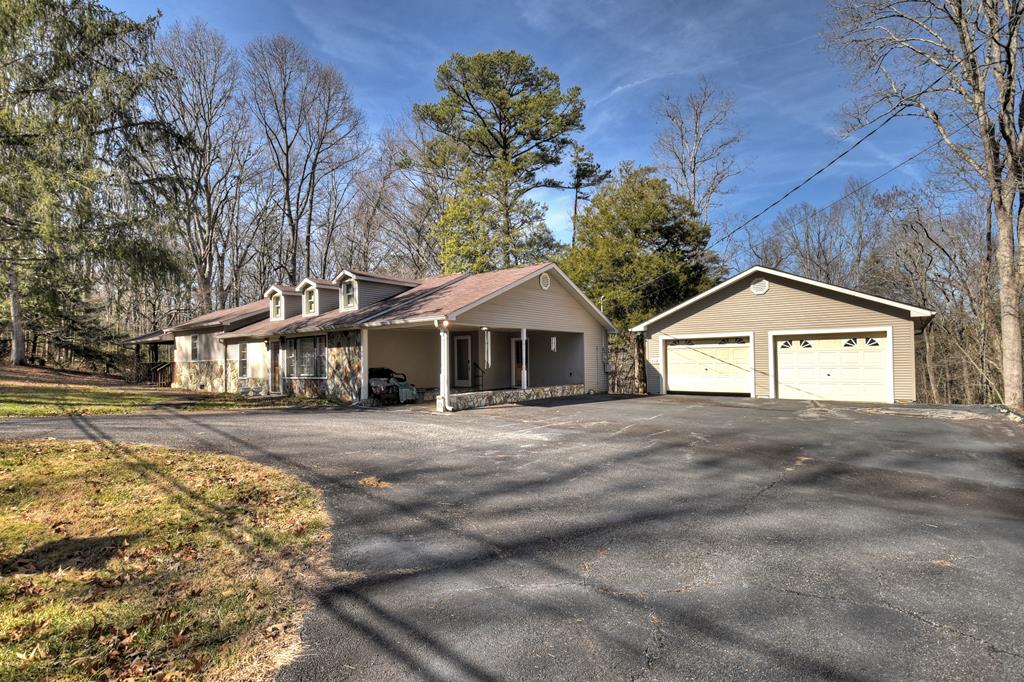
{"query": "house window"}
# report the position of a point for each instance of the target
(276, 306)
(805, 344)
(195, 347)
(787, 344)
(310, 301)
(849, 343)
(871, 342)
(487, 349)
(554, 344)
(348, 294)
(243, 360)
(306, 358)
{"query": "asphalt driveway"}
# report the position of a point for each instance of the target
(660, 538)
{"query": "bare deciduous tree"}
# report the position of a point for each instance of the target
(957, 64)
(311, 130)
(831, 244)
(695, 148)
(198, 99)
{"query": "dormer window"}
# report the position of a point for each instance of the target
(348, 294)
(276, 303)
(309, 304)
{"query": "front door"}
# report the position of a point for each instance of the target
(463, 361)
(518, 358)
(275, 366)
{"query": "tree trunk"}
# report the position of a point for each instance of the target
(17, 332)
(205, 290)
(641, 365)
(1009, 311)
(929, 365)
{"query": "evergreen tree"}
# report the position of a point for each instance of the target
(506, 121)
(640, 248)
(71, 131)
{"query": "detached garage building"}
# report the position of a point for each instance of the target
(770, 334)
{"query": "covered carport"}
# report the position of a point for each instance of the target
(445, 359)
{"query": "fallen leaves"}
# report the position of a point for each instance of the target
(136, 564)
(373, 482)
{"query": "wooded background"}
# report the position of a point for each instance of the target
(151, 173)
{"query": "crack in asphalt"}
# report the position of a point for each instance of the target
(653, 648)
(904, 612)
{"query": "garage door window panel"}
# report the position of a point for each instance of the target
(823, 367)
(712, 365)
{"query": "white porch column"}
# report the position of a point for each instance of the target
(523, 371)
(445, 382)
(364, 364)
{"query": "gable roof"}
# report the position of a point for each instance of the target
(913, 310)
(464, 291)
(316, 282)
(375, 277)
(488, 290)
(286, 289)
(226, 317)
(434, 298)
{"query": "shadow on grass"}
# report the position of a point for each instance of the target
(82, 553)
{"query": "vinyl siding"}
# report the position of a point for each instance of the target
(414, 352)
(499, 374)
(371, 292)
(209, 349)
(328, 300)
(527, 305)
(258, 358)
(292, 305)
(787, 305)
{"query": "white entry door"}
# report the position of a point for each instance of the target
(463, 361)
(518, 358)
(709, 366)
(851, 367)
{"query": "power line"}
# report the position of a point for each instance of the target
(888, 115)
(819, 211)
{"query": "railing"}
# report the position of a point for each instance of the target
(160, 373)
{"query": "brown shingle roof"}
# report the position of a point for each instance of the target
(383, 276)
(227, 316)
(433, 298)
(320, 281)
(458, 294)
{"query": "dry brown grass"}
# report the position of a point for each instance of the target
(121, 562)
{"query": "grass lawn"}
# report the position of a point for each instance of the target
(122, 562)
(38, 392)
(235, 401)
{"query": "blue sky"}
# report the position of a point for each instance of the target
(789, 92)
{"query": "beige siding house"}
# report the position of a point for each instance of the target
(770, 334)
(463, 340)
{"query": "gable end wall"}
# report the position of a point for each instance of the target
(527, 305)
(786, 305)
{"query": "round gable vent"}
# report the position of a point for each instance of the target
(759, 286)
(545, 281)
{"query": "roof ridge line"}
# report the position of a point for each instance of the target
(461, 276)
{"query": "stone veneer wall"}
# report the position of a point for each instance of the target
(467, 401)
(246, 385)
(203, 375)
(344, 364)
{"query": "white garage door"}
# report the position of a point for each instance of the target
(709, 366)
(848, 367)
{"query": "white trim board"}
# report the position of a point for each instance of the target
(663, 354)
(913, 310)
(887, 329)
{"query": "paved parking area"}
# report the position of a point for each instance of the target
(659, 538)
